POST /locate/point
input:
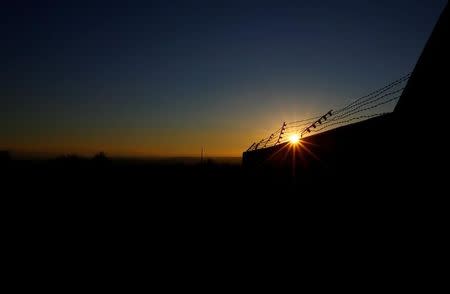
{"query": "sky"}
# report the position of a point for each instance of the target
(164, 78)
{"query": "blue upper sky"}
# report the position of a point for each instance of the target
(166, 77)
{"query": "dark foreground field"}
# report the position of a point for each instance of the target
(108, 188)
(102, 178)
(172, 212)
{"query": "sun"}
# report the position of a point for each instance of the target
(294, 139)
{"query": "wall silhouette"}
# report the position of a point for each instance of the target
(390, 145)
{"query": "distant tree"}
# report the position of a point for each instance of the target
(100, 157)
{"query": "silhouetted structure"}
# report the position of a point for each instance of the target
(100, 157)
(427, 87)
(389, 143)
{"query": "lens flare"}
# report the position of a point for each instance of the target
(294, 139)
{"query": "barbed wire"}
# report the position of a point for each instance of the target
(369, 101)
(348, 120)
(342, 120)
(290, 125)
(355, 110)
(366, 103)
(299, 126)
(303, 120)
(367, 108)
(341, 116)
(375, 93)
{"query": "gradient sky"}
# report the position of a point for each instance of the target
(167, 77)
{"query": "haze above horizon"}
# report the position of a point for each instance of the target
(159, 78)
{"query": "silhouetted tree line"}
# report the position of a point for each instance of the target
(74, 159)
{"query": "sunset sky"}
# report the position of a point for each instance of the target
(164, 78)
